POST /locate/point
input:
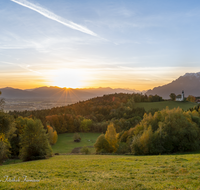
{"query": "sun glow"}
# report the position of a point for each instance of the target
(69, 78)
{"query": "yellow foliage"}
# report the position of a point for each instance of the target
(145, 140)
(191, 98)
(52, 135)
(195, 113)
(111, 137)
(55, 137)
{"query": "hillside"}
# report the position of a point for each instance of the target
(189, 82)
(124, 110)
(105, 172)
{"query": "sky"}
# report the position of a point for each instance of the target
(132, 44)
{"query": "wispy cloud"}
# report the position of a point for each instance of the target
(54, 17)
(27, 67)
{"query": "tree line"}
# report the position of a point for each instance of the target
(166, 131)
(95, 114)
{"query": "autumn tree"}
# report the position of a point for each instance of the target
(34, 141)
(172, 96)
(191, 98)
(111, 137)
(52, 135)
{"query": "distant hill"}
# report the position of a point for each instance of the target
(56, 93)
(190, 83)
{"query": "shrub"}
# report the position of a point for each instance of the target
(85, 150)
(123, 148)
(77, 137)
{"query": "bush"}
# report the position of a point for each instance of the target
(123, 148)
(77, 137)
(85, 150)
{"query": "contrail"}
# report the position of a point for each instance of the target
(55, 17)
(23, 67)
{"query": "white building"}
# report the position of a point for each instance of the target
(180, 97)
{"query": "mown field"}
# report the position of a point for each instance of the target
(66, 144)
(162, 105)
(105, 172)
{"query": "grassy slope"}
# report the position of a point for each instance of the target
(106, 172)
(66, 144)
(162, 105)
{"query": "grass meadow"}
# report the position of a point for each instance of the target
(105, 172)
(162, 105)
(66, 144)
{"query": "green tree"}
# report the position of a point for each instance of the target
(34, 141)
(111, 137)
(4, 147)
(7, 125)
(85, 125)
(102, 145)
(172, 96)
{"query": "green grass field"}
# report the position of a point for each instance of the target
(66, 144)
(162, 105)
(105, 172)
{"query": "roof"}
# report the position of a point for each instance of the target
(179, 96)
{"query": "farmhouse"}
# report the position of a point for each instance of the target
(198, 101)
(180, 97)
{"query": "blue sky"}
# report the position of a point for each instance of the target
(84, 43)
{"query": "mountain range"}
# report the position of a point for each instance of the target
(56, 93)
(189, 83)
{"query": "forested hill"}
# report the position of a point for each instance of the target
(93, 115)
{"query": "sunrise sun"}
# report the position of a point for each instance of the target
(69, 78)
